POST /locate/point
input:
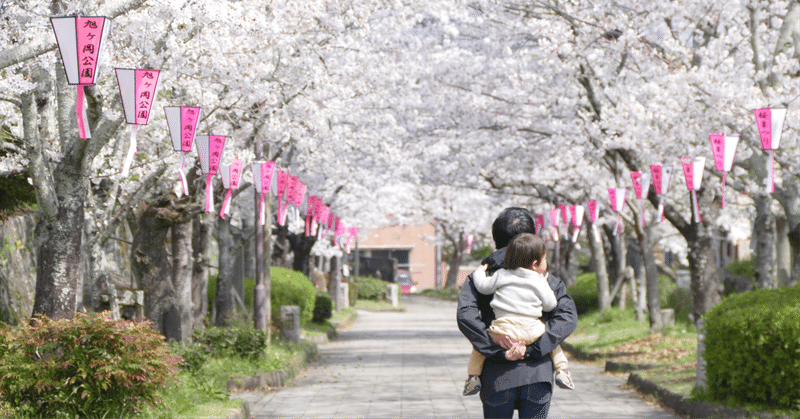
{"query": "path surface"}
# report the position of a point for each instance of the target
(413, 364)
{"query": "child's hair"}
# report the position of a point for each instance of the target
(523, 250)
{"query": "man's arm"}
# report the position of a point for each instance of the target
(559, 323)
(471, 322)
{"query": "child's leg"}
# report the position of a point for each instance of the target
(475, 366)
(563, 378)
(559, 359)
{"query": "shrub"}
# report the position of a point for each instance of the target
(369, 288)
(584, 292)
(753, 347)
(323, 307)
(244, 342)
(292, 288)
(746, 268)
(445, 294)
(86, 366)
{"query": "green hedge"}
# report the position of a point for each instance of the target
(369, 288)
(753, 347)
(292, 288)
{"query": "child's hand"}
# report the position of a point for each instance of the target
(482, 268)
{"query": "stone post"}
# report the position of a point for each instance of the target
(344, 294)
(290, 323)
(392, 292)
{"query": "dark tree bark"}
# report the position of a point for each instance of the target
(788, 195)
(616, 265)
(764, 235)
(202, 229)
(301, 248)
(459, 246)
(599, 264)
(152, 263)
(568, 269)
(182, 268)
(651, 295)
(224, 299)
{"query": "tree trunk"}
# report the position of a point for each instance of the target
(301, 247)
(788, 195)
(224, 299)
(599, 263)
(248, 225)
(617, 265)
(764, 235)
(202, 230)
(706, 285)
(334, 281)
(638, 280)
(59, 262)
(569, 265)
(651, 287)
(783, 250)
(182, 268)
(455, 262)
(151, 266)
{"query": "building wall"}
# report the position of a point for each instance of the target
(422, 256)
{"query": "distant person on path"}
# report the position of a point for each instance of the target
(521, 295)
(526, 382)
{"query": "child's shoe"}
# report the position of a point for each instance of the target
(564, 380)
(472, 386)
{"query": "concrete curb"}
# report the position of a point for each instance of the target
(275, 378)
(674, 401)
(692, 408)
(278, 378)
(613, 366)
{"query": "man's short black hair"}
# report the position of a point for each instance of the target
(510, 222)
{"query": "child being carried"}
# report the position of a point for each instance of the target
(521, 294)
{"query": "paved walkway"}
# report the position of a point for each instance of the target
(413, 364)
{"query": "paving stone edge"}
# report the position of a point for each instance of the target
(278, 378)
(675, 401)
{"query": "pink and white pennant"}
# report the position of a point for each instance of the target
(469, 239)
(210, 147)
(724, 149)
(80, 43)
(565, 216)
(182, 124)
(641, 187)
(283, 191)
(576, 211)
(311, 217)
(554, 213)
(324, 215)
(539, 222)
(339, 230)
(770, 127)
(617, 198)
(661, 177)
(230, 180)
(138, 90)
(693, 173)
(594, 212)
(262, 180)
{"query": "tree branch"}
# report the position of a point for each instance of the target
(36, 48)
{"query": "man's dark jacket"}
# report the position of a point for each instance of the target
(475, 315)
